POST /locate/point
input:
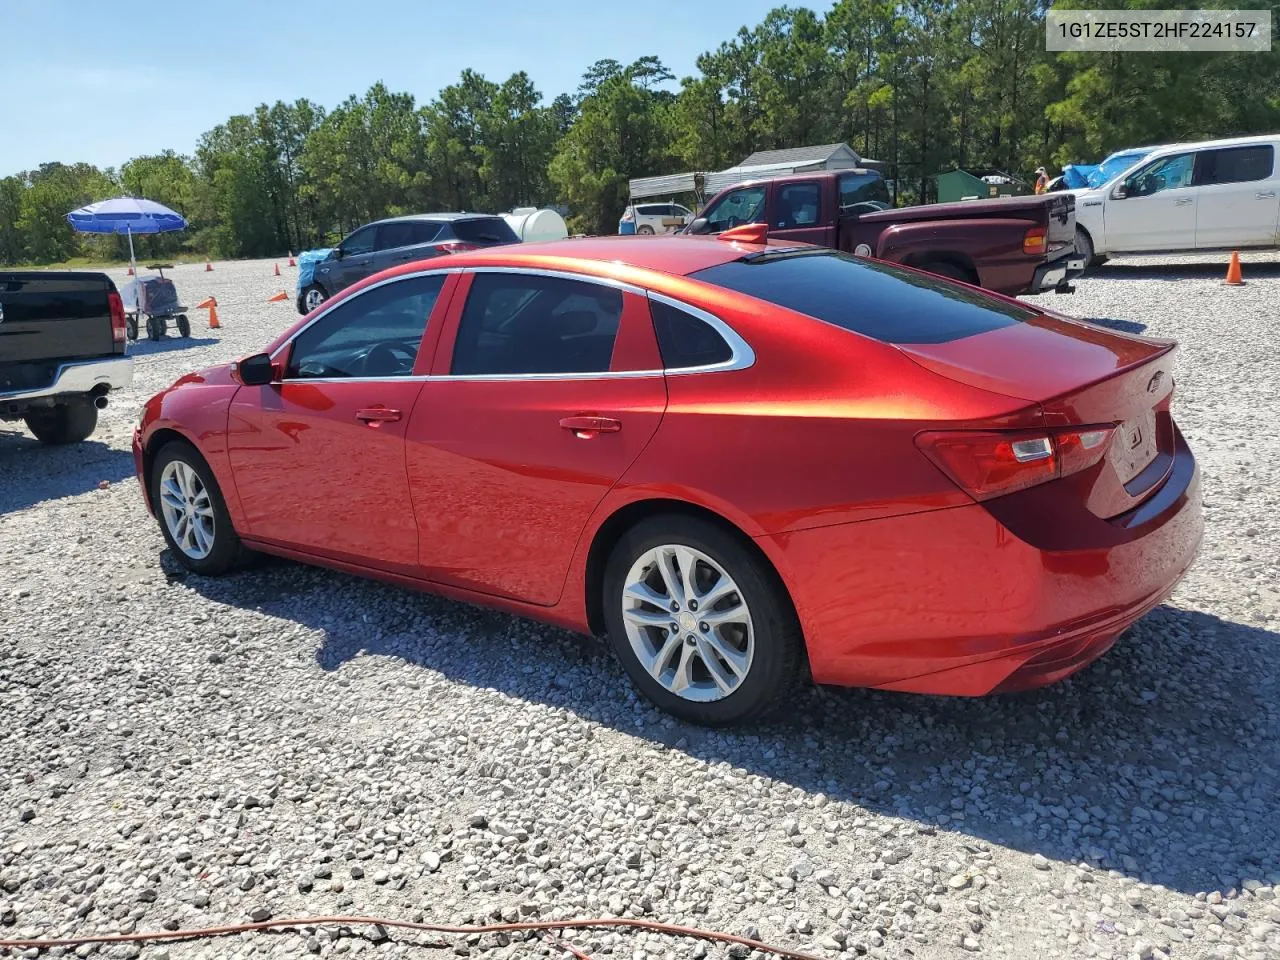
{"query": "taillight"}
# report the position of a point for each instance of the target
(987, 464)
(1035, 241)
(116, 308)
(457, 246)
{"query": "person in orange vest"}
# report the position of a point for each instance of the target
(1042, 180)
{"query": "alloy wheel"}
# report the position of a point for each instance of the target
(688, 623)
(187, 509)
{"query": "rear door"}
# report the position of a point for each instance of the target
(405, 241)
(1237, 197)
(1158, 211)
(545, 389)
(54, 316)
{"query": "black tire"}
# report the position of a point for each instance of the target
(131, 327)
(63, 423)
(310, 295)
(778, 659)
(228, 552)
(155, 328)
(183, 325)
(944, 268)
(1084, 248)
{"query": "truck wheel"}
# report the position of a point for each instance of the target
(63, 422)
(131, 327)
(944, 268)
(1084, 247)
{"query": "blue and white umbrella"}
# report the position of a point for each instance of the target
(127, 215)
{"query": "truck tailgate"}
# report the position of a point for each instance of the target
(1062, 223)
(54, 316)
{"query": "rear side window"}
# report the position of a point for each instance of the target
(797, 205)
(392, 235)
(424, 231)
(876, 300)
(517, 323)
(484, 230)
(685, 341)
(1237, 164)
(862, 188)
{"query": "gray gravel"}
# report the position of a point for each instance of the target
(178, 751)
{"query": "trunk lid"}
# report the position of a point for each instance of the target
(1078, 374)
(49, 316)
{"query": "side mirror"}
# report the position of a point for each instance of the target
(1120, 192)
(700, 225)
(338, 253)
(255, 371)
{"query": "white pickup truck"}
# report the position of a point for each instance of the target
(1189, 197)
(62, 350)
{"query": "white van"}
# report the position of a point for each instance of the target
(1217, 195)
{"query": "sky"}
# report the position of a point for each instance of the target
(87, 80)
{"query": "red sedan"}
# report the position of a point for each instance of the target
(742, 462)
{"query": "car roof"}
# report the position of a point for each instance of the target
(676, 255)
(437, 217)
(1212, 144)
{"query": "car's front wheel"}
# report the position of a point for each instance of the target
(313, 296)
(645, 230)
(700, 621)
(192, 513)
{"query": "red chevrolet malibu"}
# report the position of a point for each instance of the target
(742, 462)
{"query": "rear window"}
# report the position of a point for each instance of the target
(484, 230)
(877, 300)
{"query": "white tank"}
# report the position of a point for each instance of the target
(531, 224)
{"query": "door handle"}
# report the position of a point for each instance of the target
(376, 415)
(586, 427)
(1267, 195)
(1182, 203)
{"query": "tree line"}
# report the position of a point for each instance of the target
(921, 85)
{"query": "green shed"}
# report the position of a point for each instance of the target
(958, 184)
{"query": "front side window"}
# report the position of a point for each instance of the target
(516, 324)
(1167, 173)
(373, 334)
(1236, 164)
(362, 241)
(735, 209)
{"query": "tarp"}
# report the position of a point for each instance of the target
(307, 261)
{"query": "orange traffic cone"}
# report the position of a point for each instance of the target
(292, 262)
(277, 269)
(208, 267)
(278, 297)
(212, 306)
(1234, 278)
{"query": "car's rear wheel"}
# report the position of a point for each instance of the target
(645, 229)
(63, 422)
(700, 621)
(313, 296)
(192, 513)
(131, 327)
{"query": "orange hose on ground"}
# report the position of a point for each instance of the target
(670, 929)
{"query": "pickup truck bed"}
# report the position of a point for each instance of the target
(62, 350)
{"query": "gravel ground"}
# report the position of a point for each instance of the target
(180, 751)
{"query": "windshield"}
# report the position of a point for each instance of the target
(1113, 166)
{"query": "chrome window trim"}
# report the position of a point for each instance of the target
(326, 310)
(741, 354)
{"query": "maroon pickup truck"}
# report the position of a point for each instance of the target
(1013, 245)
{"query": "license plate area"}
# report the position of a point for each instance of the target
(1135, 446)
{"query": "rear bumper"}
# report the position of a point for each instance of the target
(1057, 274)
(78, 378)
(955, 602)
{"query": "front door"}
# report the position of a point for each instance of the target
(1239, 197)
(319, 457)
(355, 264)
(548, 388)
(797, 213)
(1158, 211)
